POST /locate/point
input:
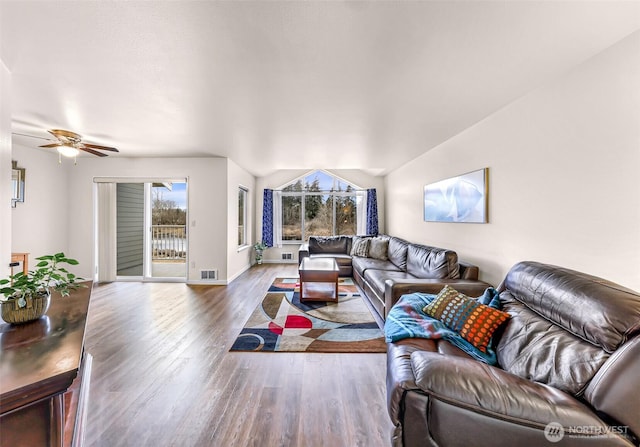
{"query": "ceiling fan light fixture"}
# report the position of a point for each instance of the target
(68, 151)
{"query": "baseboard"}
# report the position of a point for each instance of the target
(247, 267)
(279, 261)
(199, 282)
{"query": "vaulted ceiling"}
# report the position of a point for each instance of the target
(288, 84)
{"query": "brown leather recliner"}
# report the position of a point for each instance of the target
(568, 374)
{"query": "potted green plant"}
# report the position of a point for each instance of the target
(259, 247)
(26, 297)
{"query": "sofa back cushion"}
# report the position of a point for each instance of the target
(398, 252)
(379, 248)
(564, 324)
(432, 262)
(536, 349)
(330, 244)
(467, 270)
(598, 311)
(360, 246)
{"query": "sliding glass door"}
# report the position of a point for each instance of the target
(141, 230)
(168, 254)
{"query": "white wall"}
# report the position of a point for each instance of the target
(40, 223)
(282, 177)
(5, 170)
(207, 205)
(239, 260)
(564, 163)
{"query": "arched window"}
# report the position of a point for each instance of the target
(319, 204)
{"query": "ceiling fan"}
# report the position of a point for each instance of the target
(70, 144)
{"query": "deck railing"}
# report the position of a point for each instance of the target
(169, 242)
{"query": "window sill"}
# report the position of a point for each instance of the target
(243, 248)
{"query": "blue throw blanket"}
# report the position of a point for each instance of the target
(407, 320)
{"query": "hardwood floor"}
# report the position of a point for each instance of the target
(163, 374)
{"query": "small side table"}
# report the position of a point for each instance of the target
(22, 258)
(319, 279)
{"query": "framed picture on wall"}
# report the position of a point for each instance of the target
(17, 183)
(458, 199)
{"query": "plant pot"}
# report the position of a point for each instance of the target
(35, 308)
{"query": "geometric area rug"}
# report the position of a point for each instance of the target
(281, 323)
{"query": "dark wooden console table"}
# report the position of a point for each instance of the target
(44, 375)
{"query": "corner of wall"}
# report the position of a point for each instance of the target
(5, 169)
(238, 259)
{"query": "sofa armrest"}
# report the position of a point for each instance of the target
(468, 271)
(617, 381)
(394, 289)
(303, 252)
(400, 376)
(488, 390)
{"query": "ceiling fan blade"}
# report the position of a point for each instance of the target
(102, 148)
(31, 136)
(65, 134)
(51, 145)
(91, 151)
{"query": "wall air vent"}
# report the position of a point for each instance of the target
(287, 256)
(208, 274)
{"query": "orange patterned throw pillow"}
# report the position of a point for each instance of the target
(474, 321)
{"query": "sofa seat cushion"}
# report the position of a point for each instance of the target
(376, 278)
(407, 319)
(491, 391)
(363, 264)
(340, 258)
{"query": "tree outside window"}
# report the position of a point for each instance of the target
(318, 205)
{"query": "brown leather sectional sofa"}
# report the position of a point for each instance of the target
(568, 374)
(403, 268)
